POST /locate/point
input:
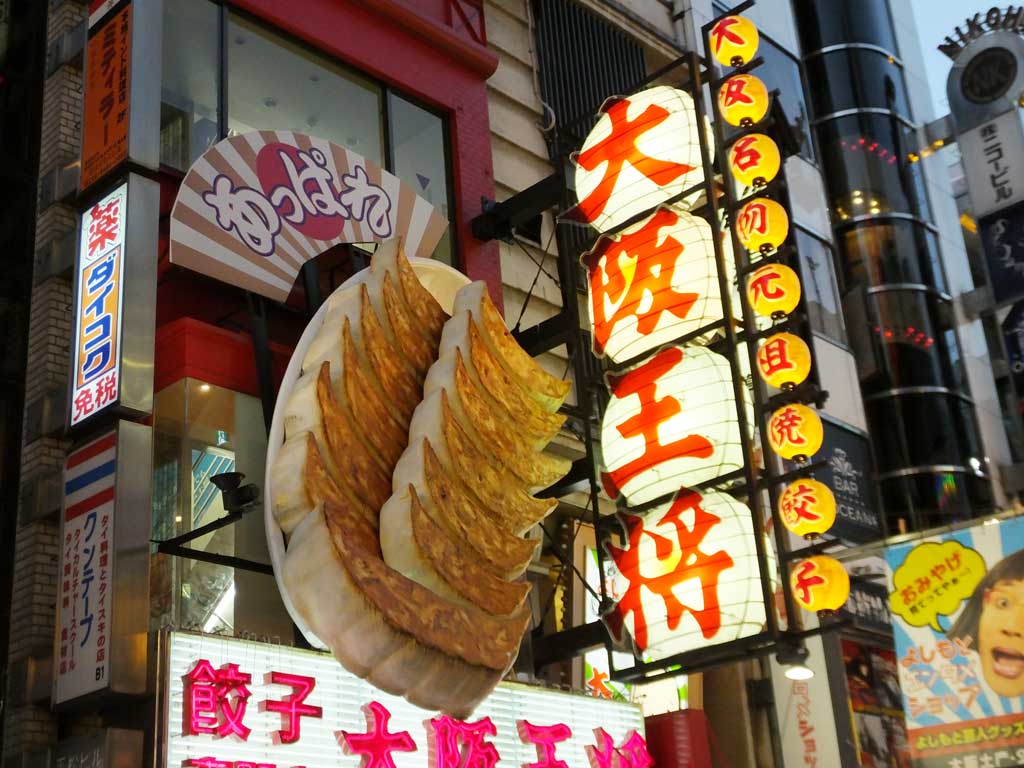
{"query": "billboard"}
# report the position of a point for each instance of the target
(958, 620)
(232, 703)
(105, 119)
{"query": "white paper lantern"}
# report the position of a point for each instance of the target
(653, 283)
(671, 422)
(688, 577)
(644, 150)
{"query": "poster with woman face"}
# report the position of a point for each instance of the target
(958, 618)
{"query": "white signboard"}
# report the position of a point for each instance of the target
(993, 157)
(804, 709)
(86, 556)
(239, 704)
(99, 284)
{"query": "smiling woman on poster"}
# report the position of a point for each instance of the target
(992, 624)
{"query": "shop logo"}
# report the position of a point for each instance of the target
(989, 75)
(301, 189)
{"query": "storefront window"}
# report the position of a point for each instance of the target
(201, 431)
(825, 22)
(279, 86)
(819, 283)
(864, 157)
(855, 79)
(189, 99)
(890, 251)
(415, 136)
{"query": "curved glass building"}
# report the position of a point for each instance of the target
(897, 305)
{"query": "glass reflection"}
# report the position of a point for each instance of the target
(855, 79)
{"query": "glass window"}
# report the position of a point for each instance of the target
(821, 294)
(855, 78)
(825, 22)
(930, 499)
(781, 71)
(863, 156)
(908, 349)
(201, 431)
(890, 251)
(914, 431)
(188, 108)
(418, 158)
(279, 86)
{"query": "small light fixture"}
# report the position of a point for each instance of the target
(204, 388)
(794, 661)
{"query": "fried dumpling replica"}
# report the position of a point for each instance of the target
(413, 440)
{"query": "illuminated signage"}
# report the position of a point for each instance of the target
(106, 103)
(234, 703)
(820, 584)
(99, 289)
(689, 576)
(256, 207)
(644, 150)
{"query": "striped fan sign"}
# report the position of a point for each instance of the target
(256, 207)
(84, 607)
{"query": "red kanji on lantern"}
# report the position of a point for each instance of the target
(772, 357)
(786, 427)
(632, 754)
(797, 505)
(546, 739)
(642, 289)
(736, 92)
(216, 700)
(697, 564)
(104, 226)
(620, 148)
(293, 706)
(805, 579)
(643, 382)
(377, 744)
(744, 154)
(721, 32)
(754, 218)
(458, 744)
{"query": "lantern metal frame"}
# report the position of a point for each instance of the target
(749, 483)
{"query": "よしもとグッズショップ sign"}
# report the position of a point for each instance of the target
(232, 703)
(256, 207)
(957, 604)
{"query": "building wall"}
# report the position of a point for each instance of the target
(977, 360)
(28, 724)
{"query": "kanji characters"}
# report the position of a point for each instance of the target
(293, 706)
(631, 754)
(216, 700)
(805, 579)
(546, 739)
(458, 744)
(620, 148)
(104, 225)
(377, 744)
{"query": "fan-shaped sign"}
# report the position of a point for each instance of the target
(256, 207)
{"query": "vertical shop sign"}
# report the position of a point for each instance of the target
(102, 611)
(114, 304)
(83, 610)
(958, 619)
(105, 119)
(96, 366)
(1002, 238)
(993, 158)
(109, 747)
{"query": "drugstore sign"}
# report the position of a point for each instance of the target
(239, 704)
(96, 368)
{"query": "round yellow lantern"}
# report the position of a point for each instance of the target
(773, 290)
(795, 432)
(743, 100)
(733, 41)
(807, 508)
(762, 225)
(784, 361)
(820, 584)
(754, 160)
